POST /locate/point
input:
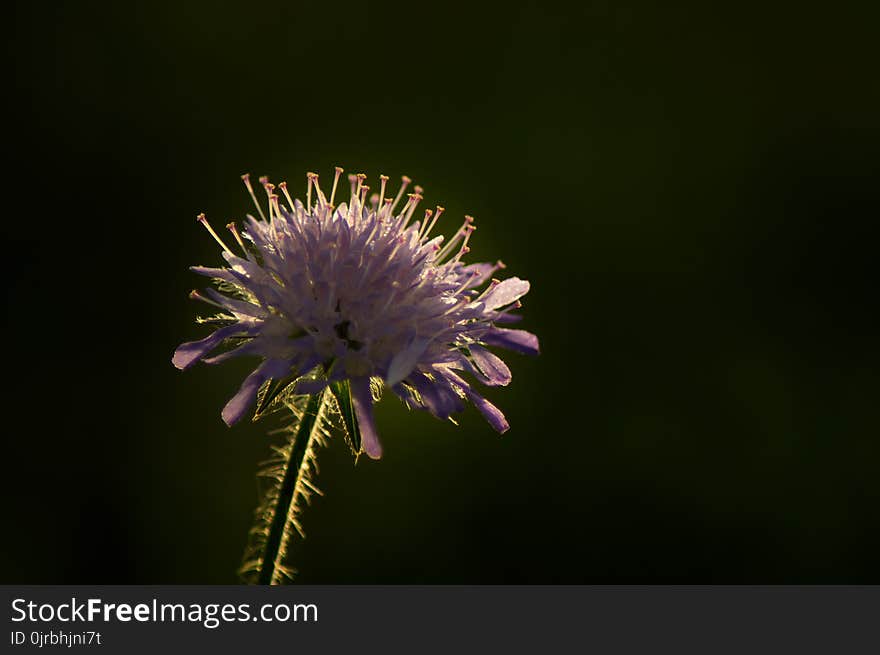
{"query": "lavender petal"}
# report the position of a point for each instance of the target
(505, 293)
(239, 404)
(405, 361)
(491, 366)
(362, 399)
(518, 340)
(189, 353)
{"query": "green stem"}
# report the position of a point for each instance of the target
(308, 427)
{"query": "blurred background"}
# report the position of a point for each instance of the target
(692, 192)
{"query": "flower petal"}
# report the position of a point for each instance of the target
(237, 306)
(491, 366)
(507, 317)
(504, 293)
(239, 404)
(189, 353)
(518, 340)
(480, 272)
(437, 395)
(362, 400)
(219, 273)
(405, 361)
(492, 414)
(246, 269)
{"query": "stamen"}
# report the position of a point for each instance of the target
(311, 177)
(467, 282)
(415, 199)
(374, 201)
(516, 305)
(464, 247)
(232, 228)
(339, 172)
(427, 231)
(384, 180)
(467, 235)
(428, 214)
(409, 202)
(204, 221)
(404, 183)
(494, 282)
(321, 199)
(283, 186)
(444, 252)
(195, 295)
(246, 178)
(385, 211)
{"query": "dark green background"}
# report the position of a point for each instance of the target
(693, 192)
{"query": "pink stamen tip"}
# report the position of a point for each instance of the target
(495, 282)
(468, 219)
(501, 264)
(384, 178)
(194, 295)
(282, 185)
(339, 170)
(201, 218)
(246, 177)
(418, 189)
(406, 179)
(264, 179)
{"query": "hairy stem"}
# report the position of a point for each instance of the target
(279, 528)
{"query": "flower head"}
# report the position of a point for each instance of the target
(356, 293)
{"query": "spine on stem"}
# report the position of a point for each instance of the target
(289, 474)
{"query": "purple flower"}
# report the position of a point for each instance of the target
(359, 293)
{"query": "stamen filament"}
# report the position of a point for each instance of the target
(283, 186)
(246, 178)
(404, 182)
(204, 221)
(339, 172)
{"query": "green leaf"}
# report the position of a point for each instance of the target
(342, 394)
(271, 392)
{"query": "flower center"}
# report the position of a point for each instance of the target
(341, 329)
